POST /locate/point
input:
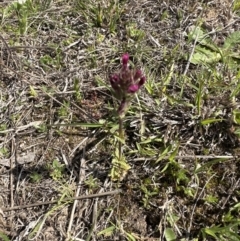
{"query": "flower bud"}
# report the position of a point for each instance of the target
(125, 59)
(138, 74)
(133, 88)
(114, 78)
(142, 81)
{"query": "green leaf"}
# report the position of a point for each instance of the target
(101, 82)
(118, 138)
(237, 206)
(211, 231)
(164, 153)
(197, 33)
(89, 125)
(168, 78)
(114, 128)
(152, 139)
(209, 164)
(203, 55)
(236, 116)
(237, 132)
(169, 234)
(173, 154)
(210, 120)
(4, 237)
(130, 237)
(119, 169)
(236, 5)
(107, 231)
(236, 90)
(232, 40)
(124, 165)
(32, 92)
(166, 167)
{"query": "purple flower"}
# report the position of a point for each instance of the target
(133, 88)
(138, 74)
(125, 83)
(114, 78)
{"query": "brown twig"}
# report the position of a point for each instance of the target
(13, 154)
(7, 47)
(81, 177)
(64, 200)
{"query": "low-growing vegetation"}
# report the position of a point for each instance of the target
(120, 120)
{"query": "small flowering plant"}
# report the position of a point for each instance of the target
(124, 85)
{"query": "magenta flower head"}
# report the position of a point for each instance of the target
(125, 83)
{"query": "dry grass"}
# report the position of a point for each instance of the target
(54, 71)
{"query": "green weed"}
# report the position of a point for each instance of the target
(4, 237)
(56, 170)
(35, 177)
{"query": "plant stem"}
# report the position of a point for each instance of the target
(121, 136)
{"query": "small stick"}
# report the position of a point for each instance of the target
(13, 154)
(64, 200)
(187, 157)
(195, 204)
(81, 178)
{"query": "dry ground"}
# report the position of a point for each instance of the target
(52, 76)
